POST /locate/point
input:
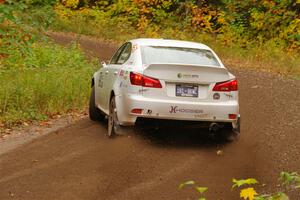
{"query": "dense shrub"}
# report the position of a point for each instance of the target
(223, 29)
(53, 80)
(258, 21)
(38, 78)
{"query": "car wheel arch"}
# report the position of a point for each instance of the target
(93, 82)
(112, 94)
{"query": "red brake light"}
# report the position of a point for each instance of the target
(226, 86)
(232, 116)
(137, 111)
(145, 81)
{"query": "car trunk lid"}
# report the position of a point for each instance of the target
(183, 77)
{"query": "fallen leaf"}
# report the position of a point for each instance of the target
(201, 189)
(239, 183)
(248, 193)
(186, 183)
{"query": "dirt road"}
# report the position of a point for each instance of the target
(80, 162)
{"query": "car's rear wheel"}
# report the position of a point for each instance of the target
(94, 112)
(113, 122)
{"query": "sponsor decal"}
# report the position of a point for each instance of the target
(176, 109)
(180, 75)
(100, 82)
(204, 115)
(149, 112)
(229, 95)
(134, 47)
(125, 75)
(143, 90)
(121, 73)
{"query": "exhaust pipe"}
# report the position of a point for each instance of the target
(214, 127)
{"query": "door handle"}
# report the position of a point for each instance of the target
(116, 73)
(106, 72)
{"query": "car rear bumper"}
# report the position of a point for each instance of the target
(174, 109)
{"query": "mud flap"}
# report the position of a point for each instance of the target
(236, 126)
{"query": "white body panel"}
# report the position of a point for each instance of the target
(162, 103)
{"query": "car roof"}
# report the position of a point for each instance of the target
(168, 43)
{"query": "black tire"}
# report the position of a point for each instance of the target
(94, 113)
(113, 122)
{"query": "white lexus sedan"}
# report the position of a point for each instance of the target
(165, 79)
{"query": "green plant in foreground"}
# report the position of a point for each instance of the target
(38, 78)
(290, 180)
(52, 80)
(199, 189)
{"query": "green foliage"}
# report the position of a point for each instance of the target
(249, 193)
(199, 189)
(38, 78)
(235, 49)
(39, 2)
(53, 79)
(287, 179)
(264, 20)
(182, 185)
(243, 182)
(246, 22)
(292, 178)
(19, 31)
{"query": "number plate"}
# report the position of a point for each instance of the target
(187, 90)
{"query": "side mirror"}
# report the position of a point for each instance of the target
(103, 63)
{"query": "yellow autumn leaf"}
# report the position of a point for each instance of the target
(248, 193)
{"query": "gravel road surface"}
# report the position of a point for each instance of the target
(80, 162)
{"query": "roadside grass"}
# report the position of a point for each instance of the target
(267, 57)
(52, 80)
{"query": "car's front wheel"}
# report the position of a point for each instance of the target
(113, 122)
(94, 112)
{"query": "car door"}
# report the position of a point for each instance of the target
(112, 70)
(102, 85)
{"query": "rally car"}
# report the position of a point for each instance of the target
(165, 79)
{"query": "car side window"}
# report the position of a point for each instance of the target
(115, 57)
(125, 54)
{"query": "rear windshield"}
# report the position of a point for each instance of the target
(180, 55)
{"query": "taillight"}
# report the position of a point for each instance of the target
(232, 116)
(145, 81)
(226, 86)
(137, 111)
